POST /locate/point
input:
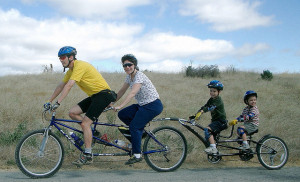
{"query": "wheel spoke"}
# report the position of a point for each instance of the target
(272, 153)
(35, 163)
(173, 153)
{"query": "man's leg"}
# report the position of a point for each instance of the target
(87, 132)
(75, 113)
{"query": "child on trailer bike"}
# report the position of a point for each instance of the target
(218, 116)
(250, 117)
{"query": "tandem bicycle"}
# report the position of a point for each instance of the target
(40, 153)
(272, 151)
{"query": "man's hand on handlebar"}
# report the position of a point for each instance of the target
(47, 105)
(55, 106)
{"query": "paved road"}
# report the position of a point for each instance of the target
(252, 174)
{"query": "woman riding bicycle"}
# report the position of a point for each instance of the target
(138, 115)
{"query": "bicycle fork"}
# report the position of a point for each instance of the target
(44, 142)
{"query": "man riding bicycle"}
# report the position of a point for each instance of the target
(93, 84)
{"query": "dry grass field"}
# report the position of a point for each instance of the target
(22, 98)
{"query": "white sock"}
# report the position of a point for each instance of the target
(213, 145)
(88, 150)
(137, 155)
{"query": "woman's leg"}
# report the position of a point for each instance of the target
(143, 116)
(127, 114)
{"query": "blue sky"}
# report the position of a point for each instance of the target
(164, 35)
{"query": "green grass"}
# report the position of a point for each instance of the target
(22, 98)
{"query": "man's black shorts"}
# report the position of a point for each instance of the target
(94, 105)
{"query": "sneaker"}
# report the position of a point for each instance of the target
(133, 160)
(84, 159)
(244, 146)
(211, 150)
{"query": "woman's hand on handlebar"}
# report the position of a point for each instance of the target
(117, 108)
(110, 106)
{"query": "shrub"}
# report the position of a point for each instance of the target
(231, 70)
(190, 71)
(11, 137)
(204, 71)
(266, 75)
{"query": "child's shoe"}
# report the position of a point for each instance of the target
(211, 150)
(244, 146)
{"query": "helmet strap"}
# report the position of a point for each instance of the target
(68, 63)
(132, 71)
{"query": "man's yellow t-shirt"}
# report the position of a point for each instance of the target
(87, 77)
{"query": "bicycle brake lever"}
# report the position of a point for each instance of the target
(193, 122)
(109, 108)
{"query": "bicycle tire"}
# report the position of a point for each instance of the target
(272, 152)
(176, 145)
(35, 164)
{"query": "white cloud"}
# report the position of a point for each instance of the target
(226, 15)
(27, 44)
(249, 49)
(93, 9)
(31, 43)
(165, 46)
(165, 66)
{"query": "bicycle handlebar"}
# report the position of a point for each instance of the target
(107, 109)
(49, 107)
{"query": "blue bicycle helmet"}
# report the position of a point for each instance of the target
(248, 94)
(67, 50)
(215, 84)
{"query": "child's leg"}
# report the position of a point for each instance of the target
(211, 138)
(244, 136)
(242, 133)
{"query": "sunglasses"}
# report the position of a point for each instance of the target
(62, 57)
(127, 64)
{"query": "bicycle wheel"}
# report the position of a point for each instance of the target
(36, 163)
(168, 152)
(272, 152)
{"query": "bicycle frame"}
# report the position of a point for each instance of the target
(183, 123)
(164, 148)
(188, 124)
(56, 122)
